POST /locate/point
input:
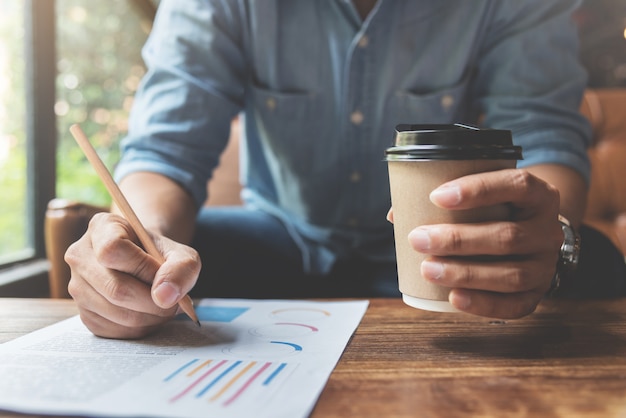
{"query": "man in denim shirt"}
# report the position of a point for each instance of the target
(320, 86)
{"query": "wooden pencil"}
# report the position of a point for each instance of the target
(186, 304)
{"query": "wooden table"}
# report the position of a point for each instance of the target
(568, 359)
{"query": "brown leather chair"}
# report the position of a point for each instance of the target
(606, 203)
(606, 209)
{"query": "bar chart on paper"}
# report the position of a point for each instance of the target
(226, 382)
(250, 358)
(256, 366)
(265, 360)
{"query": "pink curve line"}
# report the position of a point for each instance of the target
(314, 329)
(195, 383)
(245, 385)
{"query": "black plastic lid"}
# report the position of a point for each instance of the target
(452, 142)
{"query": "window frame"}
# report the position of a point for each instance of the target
(29, 276)
(41, 128)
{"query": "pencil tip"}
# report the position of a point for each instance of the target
(198, 324)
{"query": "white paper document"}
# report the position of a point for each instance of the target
(250, 358)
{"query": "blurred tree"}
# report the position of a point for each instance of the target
(99, 69)
(14, 209)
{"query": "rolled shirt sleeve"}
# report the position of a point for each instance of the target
(180, 120)
(529, 80)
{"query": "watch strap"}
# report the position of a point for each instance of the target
(568, 255)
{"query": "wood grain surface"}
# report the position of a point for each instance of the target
(568, 359)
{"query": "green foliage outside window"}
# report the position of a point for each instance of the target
(99, 69)
(13, 181)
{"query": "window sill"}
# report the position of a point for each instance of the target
(28, 279)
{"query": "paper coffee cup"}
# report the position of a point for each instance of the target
(425, 157)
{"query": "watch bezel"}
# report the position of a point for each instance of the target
(570, 248)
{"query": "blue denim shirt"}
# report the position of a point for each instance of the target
(321, 92)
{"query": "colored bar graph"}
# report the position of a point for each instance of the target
(197, 382)
(247, 384)
(218, 378)
(225, 381)
(274, 374)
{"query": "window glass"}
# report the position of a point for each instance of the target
(15, 240)
(99, 69)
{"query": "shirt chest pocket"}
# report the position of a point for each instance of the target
(449, 105)
(290, 125)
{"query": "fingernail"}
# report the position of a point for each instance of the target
(432, 270)
(446, 195)
(166, 294)
(460, 300)
(419, 239)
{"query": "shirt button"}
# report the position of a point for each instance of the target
(447, 101)
(271, 103)
(355, 177)
(356, 117)
(364, 41)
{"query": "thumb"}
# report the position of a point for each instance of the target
(176, 276)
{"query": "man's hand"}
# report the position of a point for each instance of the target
(121, 291)
(521, 253)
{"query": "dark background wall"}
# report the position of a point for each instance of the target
(602, 26)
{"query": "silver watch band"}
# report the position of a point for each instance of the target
(569, 254)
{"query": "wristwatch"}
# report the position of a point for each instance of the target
(568, 257)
